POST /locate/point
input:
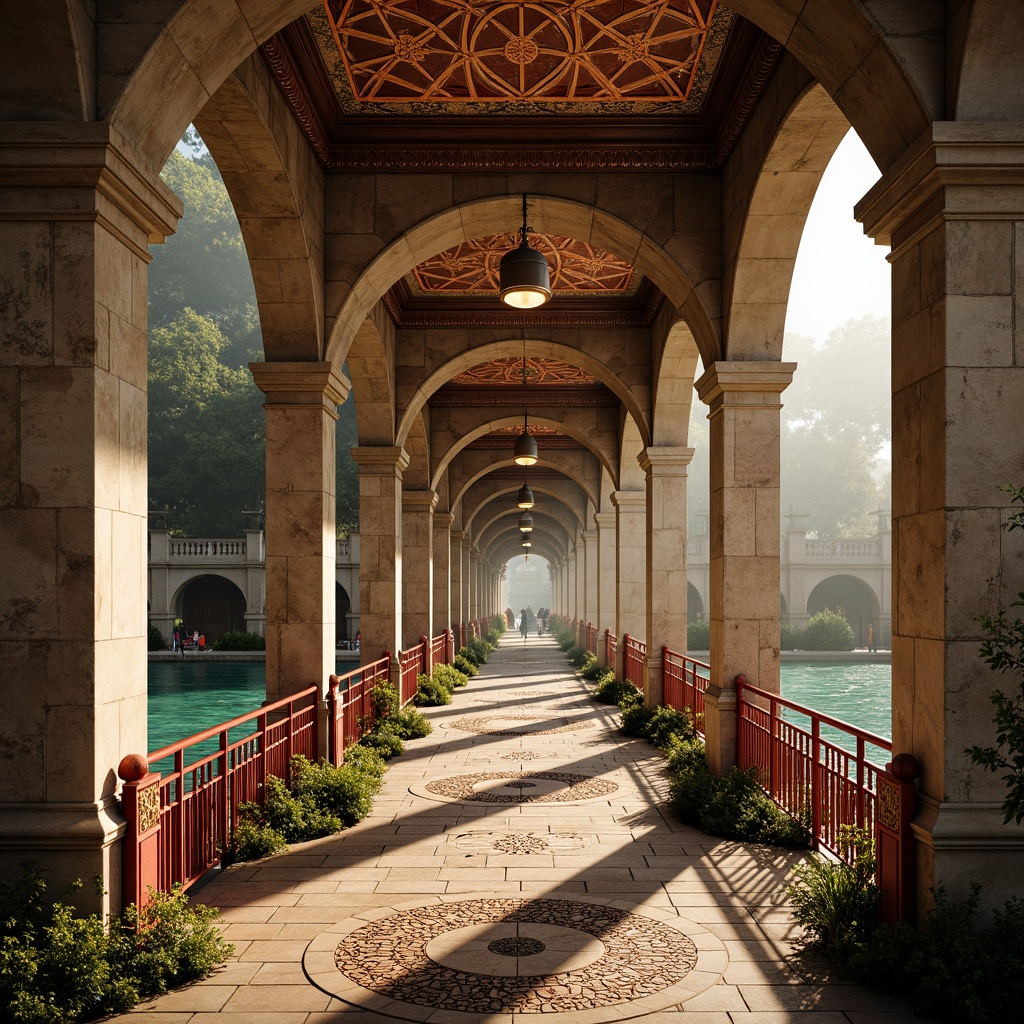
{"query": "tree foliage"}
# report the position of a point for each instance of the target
(206, 421)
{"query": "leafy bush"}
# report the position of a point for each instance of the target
(666, 723)
(449, 676)
(827, 630)
(465, 666)
(498, 625)
(611, 690)
(431, 692)
(253, 838)
(56, 966)
(635, 717)
(155, 639)
(346, 791)
(493, 637)
(470, 655)
(698, 635)
(295, 819)
(410, 724)
(789, 638)
(950, 967)
(234, 641)
(577, 655)
(480, 649)
(385, 739)
(365, 760)
(835, 902)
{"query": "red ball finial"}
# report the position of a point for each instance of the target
(132, 768)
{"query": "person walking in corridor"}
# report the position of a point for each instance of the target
(523, 623)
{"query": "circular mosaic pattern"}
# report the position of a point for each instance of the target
(483, 724)
(519, 842)
(638, 957)
(520, 755)
(522, 785)
(556, 787)
(517, 945)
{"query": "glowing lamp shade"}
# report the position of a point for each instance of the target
(527, 543)
(524, 280)
(525, 523)
(525, 499)
(524, 452)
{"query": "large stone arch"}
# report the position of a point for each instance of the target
(631, 476)
(483, 507)
(573, 469)
(213, 603)
(674, 372)
(417, 476)
(854, 596)
(600, 442)
(371, 368)
(758, 278)
(443, 222)
(277, 189)
(636, 402)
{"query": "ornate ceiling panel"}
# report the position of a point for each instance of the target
(472, 268)
(456, 52)
(510, 371)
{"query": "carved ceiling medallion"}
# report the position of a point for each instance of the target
(510, 371)
(471, 268)
(456, 52)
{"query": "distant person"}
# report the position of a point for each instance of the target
(176, 641)
(523, 623)
(195, 639)
(871, 638)
(202, 641)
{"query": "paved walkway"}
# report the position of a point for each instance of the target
(518, 861)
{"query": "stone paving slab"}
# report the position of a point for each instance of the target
(446, 908)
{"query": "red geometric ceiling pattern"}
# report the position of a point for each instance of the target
(510, 371)
(447, 51)
(471, 268)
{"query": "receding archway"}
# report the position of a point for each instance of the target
(853, 597)
(694, 604)
(213, 605)
(342, 606)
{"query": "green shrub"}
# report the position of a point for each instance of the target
(449, 676)
(493, 637)
(589, 667)
(385, 739)
(790, 638)
(952, 968)
(56, 966)
(666, 723)
(566, 639)
(610, 690)
(365, 760)
(410, 724)
(577, 655)
(431, 693)
(253, 838)
(480, 649)
(499, 625)
(698, 635)
(635, 717)
(234, 641)
(470, 655)
(827, 630)
(296, 818)
(836, 902)
(155, 639)
(740, 809)
(346, 791)
(465, 666)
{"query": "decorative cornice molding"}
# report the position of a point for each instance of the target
(282, 66)
(748, 95)
(456, 318)
(540, 396)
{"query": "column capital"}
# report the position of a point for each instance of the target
(662, 460)
(604, 519)
(589, 536)
(418, 501)
(443, 520)
(381, 461)
(467, 541)
(980, 155)
(631, 501)
(745, 383)
(301, 384)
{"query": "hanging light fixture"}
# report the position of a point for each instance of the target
(524, 451)
(525, 523)
(527, 543)
(524, 281)
(525, 498)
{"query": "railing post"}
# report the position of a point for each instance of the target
(815, 782)
(427, 658)
(896, 856)
(603, 657)
(449, 647)
(333, 754)
(140, 805)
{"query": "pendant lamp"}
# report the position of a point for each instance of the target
(524, 451)
(525, 523)
(525, 498)
(524, 281)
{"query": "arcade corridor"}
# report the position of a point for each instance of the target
(457, 903)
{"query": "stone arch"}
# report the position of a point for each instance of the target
(416, 476)
(631, 476)
(985, 82)
(538, 489)
(856, 598)
(505, 464)
(538, 588)
(371, 368)
(450, 224)
(879, 74)
(212, 603)
(342, 606)
(674, 373)
(535, 348)
(267, 172)
(602, 452)
(694, 604)
(757, 285)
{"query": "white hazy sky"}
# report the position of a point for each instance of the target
(840, 273)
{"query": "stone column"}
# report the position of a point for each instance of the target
(417, 565)
(606, 545)
(380, 549)
(444, 570)
(665, 469)
(630, 570)
(590, 576)
(474, 582)
(467, 575)
(581, 577)
(745, 402)
(457, 614)
(301, 404)
(570, 584)
(953, 211)
(78, 215)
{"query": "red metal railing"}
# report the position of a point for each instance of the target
(199, 796)
(636, 655)
(611, 642)
(349, 708)
(684, 681)
(439, 649)
(412, 663)
(815, 777)
(592, 638)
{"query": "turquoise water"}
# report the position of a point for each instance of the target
(185, 698)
